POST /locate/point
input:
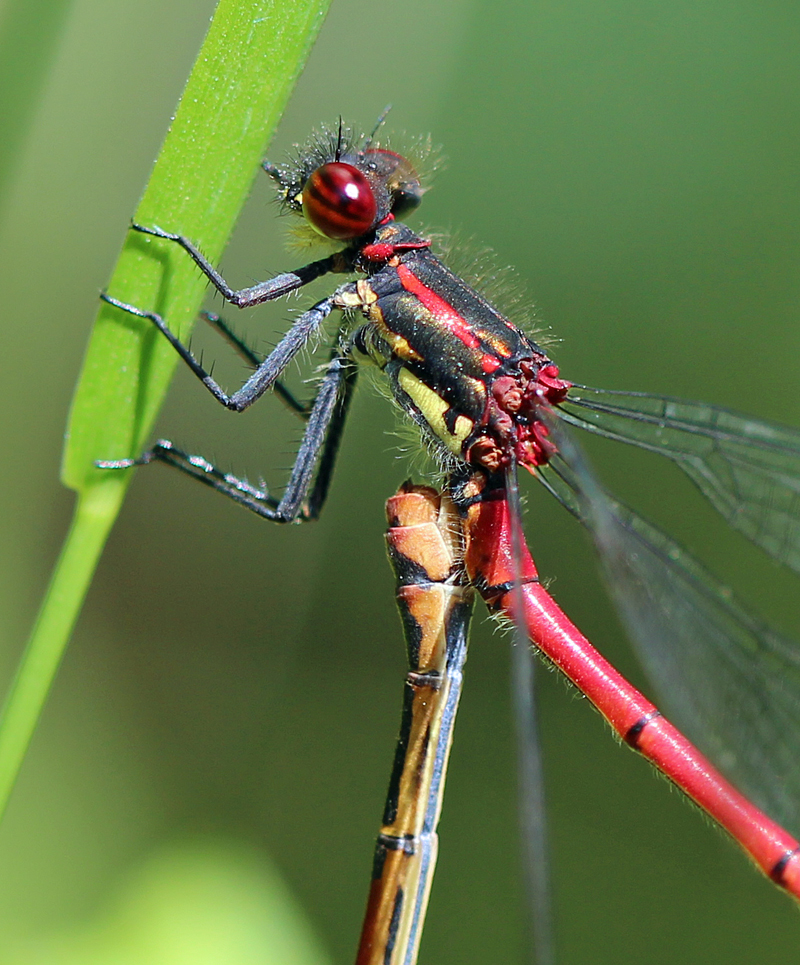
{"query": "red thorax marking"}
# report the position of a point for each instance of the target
(445, 314)
(384, 250)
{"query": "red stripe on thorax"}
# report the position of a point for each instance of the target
(446, 314)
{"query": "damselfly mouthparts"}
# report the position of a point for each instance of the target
(487, 398)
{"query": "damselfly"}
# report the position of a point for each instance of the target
(486, 399)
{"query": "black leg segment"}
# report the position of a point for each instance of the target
(267, 372)
(265, 291)
(253, 359)
(319, 446)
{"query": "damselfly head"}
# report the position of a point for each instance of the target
(345, 185)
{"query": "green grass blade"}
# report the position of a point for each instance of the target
(233, 100)
(93, 518)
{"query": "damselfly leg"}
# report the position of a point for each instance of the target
(306, 491)
(254, 360)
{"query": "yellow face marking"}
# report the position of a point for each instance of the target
(433, 408)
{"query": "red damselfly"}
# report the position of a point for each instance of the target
(486, 399)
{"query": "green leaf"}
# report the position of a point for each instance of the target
(233, 100)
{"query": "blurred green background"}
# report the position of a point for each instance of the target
(220, 736)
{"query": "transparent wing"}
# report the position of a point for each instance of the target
(748, 469)
(729, 681)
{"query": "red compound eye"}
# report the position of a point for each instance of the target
(338, 201)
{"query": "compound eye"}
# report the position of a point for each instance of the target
(339, 202)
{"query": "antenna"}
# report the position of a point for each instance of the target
(339, 141)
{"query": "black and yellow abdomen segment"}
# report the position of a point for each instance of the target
(435, 606)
